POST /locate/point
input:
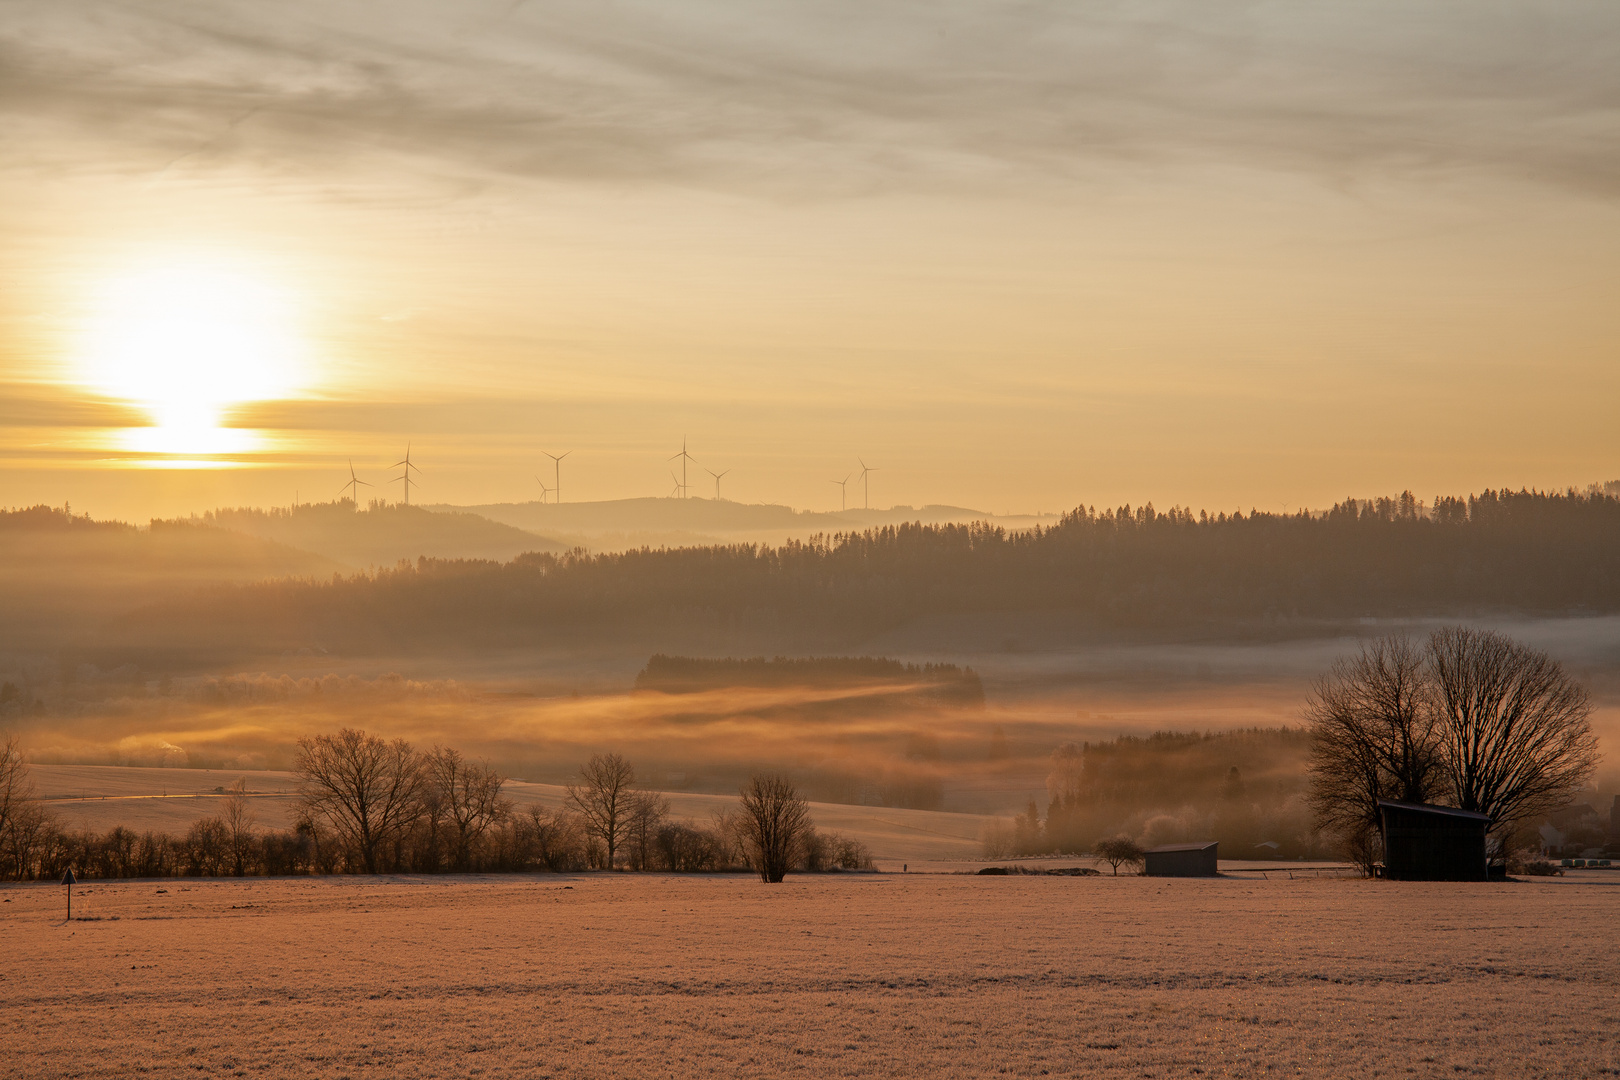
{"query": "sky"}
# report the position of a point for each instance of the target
(1014, 255)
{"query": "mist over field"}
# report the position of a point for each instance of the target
(216, 644)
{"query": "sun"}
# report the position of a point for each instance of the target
(186, 339)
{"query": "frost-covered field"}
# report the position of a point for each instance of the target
(840, 975)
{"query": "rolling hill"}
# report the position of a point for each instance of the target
(382, 534)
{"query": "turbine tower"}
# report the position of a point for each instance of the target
(717, 476)
(685, 457)
(544, 491)
(866, 491)
(674, 492)
(405, 476)
(353, 486)
(556, 472)
(843, 490)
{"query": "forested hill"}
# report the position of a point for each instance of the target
(381, 534)
(1132, 571)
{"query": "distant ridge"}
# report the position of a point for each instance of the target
(61, 572)
(620, 524)
(382, 534)
(1110, 574)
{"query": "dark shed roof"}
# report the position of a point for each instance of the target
(1430, 808)
(1202, 845)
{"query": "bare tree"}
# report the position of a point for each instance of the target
(15, 786)
(1373, 732)
(26, 826)
(648, 809)
(1119, 851)
(207, 847)
(236, 814)
(602, 798)
(468, 796)
(557, 839)
(368, 790)
(775, 823)
(1515, 734)
(996, 839)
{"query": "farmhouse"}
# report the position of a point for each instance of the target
(1182, 860)
(1432, 843)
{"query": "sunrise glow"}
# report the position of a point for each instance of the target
(186, 340)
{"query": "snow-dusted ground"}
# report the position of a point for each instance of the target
(836, 975)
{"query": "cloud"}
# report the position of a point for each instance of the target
(815, 97)
(28, 405)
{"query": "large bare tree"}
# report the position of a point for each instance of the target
(467, 796)
(775, 823)
(1372, 720)
(368, 790)
(1514, 730)
(603, 799)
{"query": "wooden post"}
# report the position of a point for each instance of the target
(69, 880)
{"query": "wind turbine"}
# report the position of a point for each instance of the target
(685, 457)
(556, 472)
(843, 489)
(717, 476)
(676, 490)
(405, 477)
(544, 491)
(866, 491)
(353, 486)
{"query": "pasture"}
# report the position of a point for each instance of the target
(925, 975)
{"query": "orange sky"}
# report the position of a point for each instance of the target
(1018, 257)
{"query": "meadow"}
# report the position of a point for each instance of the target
(926, 975)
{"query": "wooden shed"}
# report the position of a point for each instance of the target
(1432, 843)
(1182, 860)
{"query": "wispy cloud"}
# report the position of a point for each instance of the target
(29, 406)
(807, 97)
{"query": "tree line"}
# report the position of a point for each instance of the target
(1127, 569)
(371, 805)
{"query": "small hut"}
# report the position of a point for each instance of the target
(1182, 860)
(1432, 843)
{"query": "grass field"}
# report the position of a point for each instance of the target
(837, 975)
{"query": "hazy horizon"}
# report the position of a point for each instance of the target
(1015, 258)
(187, 500)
